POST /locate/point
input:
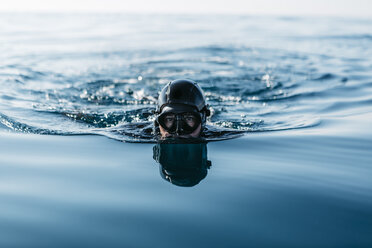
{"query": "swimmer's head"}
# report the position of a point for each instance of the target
(182, 110)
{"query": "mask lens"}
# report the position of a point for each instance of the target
(190, 120)
(169, 120)
(184, 123)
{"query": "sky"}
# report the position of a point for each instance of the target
(354, 8)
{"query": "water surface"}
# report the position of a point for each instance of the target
(97, 73)
(308, 184)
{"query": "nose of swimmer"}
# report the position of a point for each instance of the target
(178, 127)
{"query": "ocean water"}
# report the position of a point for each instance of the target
(92, 74)
(308, 184)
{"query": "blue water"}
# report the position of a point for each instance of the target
(281, 189)
(93, 74)
(308, 184)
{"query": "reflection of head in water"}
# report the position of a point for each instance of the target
(182, 164)
(181, 110)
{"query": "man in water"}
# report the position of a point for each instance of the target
(181, 114)
(181, 110)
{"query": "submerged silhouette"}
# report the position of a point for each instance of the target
(182, 164)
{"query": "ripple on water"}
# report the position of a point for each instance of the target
(250, 88)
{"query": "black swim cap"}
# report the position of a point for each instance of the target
(182, 93)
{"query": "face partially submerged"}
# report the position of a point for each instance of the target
(195, 134)
(182, 110)
(183, 125)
